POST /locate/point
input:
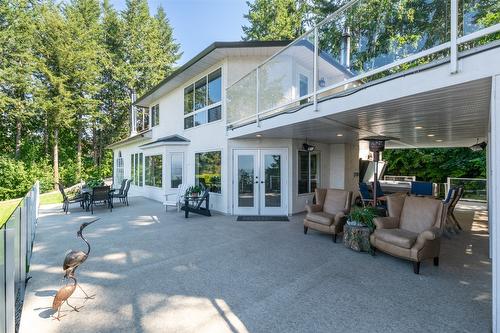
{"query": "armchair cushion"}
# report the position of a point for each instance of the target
(336, 201)
(313, 208)
(399, 237)
(419, 214)
(321, 218)
(386, 222)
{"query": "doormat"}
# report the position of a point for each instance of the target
(262, 218)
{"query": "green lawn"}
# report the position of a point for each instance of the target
(7, 207)
(50, 198)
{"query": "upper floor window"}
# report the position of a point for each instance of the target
(141, 119)
(202, 100)
(155, 115)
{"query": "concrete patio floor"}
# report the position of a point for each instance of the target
(153, 271)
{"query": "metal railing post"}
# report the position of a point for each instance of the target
(315, 69)
(453, 37)
(23, 241)
(10, 284)
(257, 96)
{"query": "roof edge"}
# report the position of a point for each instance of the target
(205, 52)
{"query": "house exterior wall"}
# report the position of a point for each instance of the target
(213, 137)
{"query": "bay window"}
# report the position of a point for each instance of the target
(136, 165)
(202, 100)
(208, 170)
(308, 171)
(155, 115)
(153, 170)
(176, 170)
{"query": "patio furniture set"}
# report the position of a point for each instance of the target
(189, 202)
(90, 197)
(409, 228)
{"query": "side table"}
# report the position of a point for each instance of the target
(357, 238)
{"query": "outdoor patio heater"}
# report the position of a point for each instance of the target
(376, 146)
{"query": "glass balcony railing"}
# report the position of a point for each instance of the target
(363, 41)
(16, 244)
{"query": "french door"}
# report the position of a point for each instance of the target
(260, 181)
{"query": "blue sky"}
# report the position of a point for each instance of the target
(198, 23)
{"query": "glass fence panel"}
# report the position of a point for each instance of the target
(371, 34)
(475, 15)
(14, 223)
(2, 279)
(288, 76)
(474, 189)
(241, 98)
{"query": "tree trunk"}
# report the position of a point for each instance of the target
(79, 156)
(56, 157)
(46, 137)
(18, 138)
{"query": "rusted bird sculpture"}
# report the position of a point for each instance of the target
(62, 296)
(75, 258)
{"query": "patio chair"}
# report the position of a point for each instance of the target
(123, 197)
(329, 214)
(450, 218)
(122, 187)
(413, 229)
(421, 188)
(67, 201)
(175, 199)
(101, 194)
(195, 206)
(380, 192)
(365, 195)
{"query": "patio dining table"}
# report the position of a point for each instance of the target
(87, 194)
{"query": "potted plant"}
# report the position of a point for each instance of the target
(193, 191)
(363, 217)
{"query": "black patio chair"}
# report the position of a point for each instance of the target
(123, 197)
(100, 194)
(67, 200)
(122, 187)
(195, 207)
(459, 192)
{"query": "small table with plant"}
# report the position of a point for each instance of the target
(358, 229)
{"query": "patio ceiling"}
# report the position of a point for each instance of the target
(449, 117)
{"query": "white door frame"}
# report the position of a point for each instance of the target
(258, 181)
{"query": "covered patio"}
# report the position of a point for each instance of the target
(153, 271)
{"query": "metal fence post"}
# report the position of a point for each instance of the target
(10, 285)
(257, 96)
(315, 69)
(23, 241)
(453, 37)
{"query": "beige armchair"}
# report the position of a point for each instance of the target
(329, 214)
(412, 230)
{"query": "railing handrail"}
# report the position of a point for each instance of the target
(450, 42)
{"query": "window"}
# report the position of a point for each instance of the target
(308, 169)
(155, 115)
(176, 170)
(136, 164)
(153, 170)
(141, 119)
(119, 170)
(208, 170)
(202, 100)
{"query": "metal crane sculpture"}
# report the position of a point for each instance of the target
(75, 258)
(62, 296)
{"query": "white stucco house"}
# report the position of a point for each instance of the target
(179, 135)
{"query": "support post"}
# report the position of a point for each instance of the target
(257, 96)
(453, 37)
(494, 199)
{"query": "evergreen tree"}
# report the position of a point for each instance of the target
(275, 19)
